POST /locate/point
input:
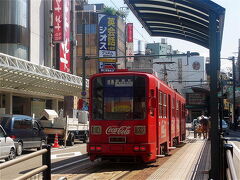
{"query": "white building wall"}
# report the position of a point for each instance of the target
(37, 32)
(182, 70)
(187, 71)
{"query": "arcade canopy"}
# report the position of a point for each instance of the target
(21, 76)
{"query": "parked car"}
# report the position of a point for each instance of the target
(225, 127)
(24, 130)
(7, 148)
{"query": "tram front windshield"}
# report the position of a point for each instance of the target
(119, 98)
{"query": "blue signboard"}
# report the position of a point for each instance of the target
(107, 37)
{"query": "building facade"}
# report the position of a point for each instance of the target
(29, 77)
(89, 13)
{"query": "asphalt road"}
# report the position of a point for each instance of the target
(60, 158)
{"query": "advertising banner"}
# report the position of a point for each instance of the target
(58, 34)
(107, 42)
(196, 99)
(130, 52)
(129, 32)
(65, 46)
(107, 66)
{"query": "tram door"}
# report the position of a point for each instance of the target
(170, 119)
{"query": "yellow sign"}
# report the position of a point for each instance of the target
(107, 60)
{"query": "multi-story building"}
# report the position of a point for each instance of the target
(29, 60)
(88, 13)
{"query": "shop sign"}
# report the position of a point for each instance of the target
(107, 67)
(58, 35)
(129, 32)
(65, 46)
(196, 99)
(130, 52)
(107, 42)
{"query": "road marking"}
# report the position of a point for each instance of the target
(59, 167)
(62, 148)
(65, 155)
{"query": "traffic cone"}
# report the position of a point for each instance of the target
(56, 145)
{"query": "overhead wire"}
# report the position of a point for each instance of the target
(130, 21)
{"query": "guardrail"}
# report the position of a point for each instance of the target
(45, 168)
(228, 169)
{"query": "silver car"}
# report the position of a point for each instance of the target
(7, 148)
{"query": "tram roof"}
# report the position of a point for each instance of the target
(181, 19)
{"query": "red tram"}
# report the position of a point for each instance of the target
(133, 115)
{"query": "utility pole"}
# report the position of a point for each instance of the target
(234, 89)
(164, 68)
(221, 103)
(165, 73)
(83, 61)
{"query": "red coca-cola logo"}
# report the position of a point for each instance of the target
(123, 130)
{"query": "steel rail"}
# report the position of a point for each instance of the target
(232, 172)
(32, 173)
(24, 158)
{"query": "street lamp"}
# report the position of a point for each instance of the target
(234, 120)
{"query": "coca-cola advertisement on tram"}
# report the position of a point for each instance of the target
(124, 116)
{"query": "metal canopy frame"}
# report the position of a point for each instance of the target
(21, 76)
(187, 20)
(197, 21)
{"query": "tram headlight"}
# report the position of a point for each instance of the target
(98, 148)
(92, 148)
(136, 148)
(96, 130)
(142, 148)
(139, 130)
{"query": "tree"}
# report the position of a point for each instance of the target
(112, 11)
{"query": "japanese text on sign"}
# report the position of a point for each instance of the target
(58, 21)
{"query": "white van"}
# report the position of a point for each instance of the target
(7, 148)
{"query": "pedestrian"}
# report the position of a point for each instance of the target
(196, 127)
(204, 126)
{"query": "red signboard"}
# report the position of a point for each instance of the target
(129, 32)
(58, 21)
(65, 46)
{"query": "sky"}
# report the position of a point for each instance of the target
(231, 33)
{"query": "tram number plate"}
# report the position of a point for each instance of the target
(116, 147)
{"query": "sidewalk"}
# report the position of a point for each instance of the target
(192, 161)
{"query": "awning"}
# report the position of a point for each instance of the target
(21, 76)
(182, 19)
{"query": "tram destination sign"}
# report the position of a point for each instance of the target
(119, 82)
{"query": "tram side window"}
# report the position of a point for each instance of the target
(160, 105)
(139, 98)
(173, 107)
(183, 110)
(164, 105)
(97, 103)
(180, 109)
(177, 109)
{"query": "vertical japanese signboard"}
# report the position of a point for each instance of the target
(65, 46)
(58, 21)
(107, 33)
(61, 33)
(129, 32)
(130, 51)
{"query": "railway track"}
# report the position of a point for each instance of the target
(99, 170)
